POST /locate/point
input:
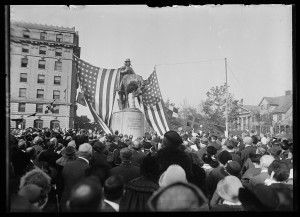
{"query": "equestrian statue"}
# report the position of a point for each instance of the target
(129, 83)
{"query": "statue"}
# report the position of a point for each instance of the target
(129, 83)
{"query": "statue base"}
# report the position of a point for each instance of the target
(129, 121)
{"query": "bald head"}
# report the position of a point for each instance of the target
(86, 196)
(266, 160)
(136, 144)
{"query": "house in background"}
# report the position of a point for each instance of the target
(247, 119)
(277, 114)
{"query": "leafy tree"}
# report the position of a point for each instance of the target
(82, 122)
(214, 107)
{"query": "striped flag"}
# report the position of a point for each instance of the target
(153, 106)
(174, 111)
(98, 86)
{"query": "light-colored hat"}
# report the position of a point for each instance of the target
(72, 143)
(174, 173)
(228, 188)
(178, 196)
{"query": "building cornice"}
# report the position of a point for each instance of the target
(43, 26)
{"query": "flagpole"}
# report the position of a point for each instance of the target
(226, 123)
(67, 100)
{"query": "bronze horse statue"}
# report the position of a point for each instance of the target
(131, 83)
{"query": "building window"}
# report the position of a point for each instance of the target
(42, 50)
(40, 93)
(54, 124)
(56, 94)
(253, 118)
(38, 123)
(55, 110)
(59, 37)
(41, 79)
(24, 62)
(21, 107)
(43, 36)
(22, 92)
(23, 77)
(57, 80)
(58, 52)
(279, 117)
(25, 48)
(42, 64)
(26, 34)
(39, 108)
(58, 66)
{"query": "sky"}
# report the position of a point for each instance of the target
(188, 45)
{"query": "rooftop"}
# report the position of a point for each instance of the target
(42, 26)
(283, 103)
(251, 108)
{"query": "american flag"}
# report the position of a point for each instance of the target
(98, 86)
(153, 106)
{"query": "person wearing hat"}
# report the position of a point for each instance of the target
(126, 169)
(125, 70)
(265, 162)
(139, 190)
(218, 173)
(203, 147)
(251, 168)
(67, 155)
(20, 159)
(230, 148)
(73, 171)
(247, 150)
(226, 195)
(172, 153)
(178, 196)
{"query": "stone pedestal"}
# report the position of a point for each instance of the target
(129, 121)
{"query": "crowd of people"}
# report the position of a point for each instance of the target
(90, 171)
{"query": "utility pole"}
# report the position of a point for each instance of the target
(226, 111)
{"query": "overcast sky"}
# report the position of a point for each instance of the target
(188, 45)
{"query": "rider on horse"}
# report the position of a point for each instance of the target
(126, 70)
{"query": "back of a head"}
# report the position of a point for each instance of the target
(37, 177)
(114, 187)
(206, 158)
(172, 139)
(247, 140)
(85, 196)
(85, 150)
(150, 167)
(224, 157)
(254, 139)
(136, 144)
(126, 154)
(281, 170)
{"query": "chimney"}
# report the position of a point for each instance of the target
(288, 92)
